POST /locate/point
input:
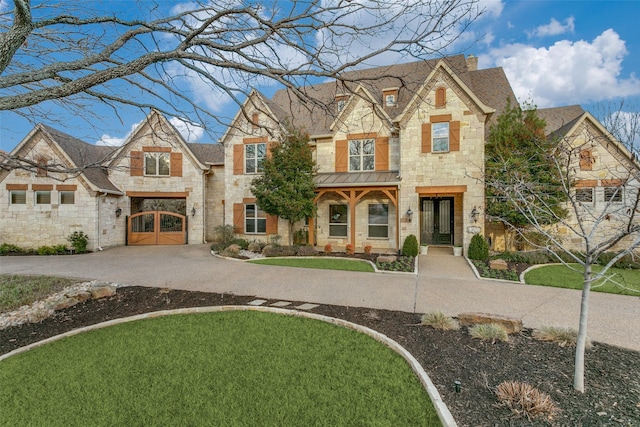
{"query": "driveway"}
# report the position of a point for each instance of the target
(444, 283)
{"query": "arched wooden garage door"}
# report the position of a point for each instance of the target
(156, 228)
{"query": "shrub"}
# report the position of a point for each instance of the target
(327, 248)
(306, 251)
(478, 248)
(410, 246)
(79, 241)
(562, 336)
(350, 249)
(255, 246)
(276, 251)
(525, 400)
(274, 239)
(301, 237)
(46, 250)
(244, 244)
(224, 235)
(489, 332)
(627, 261)
(7, 248)
(367, 249)
(60, 249)
(439, 320)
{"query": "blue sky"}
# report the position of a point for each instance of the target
(554, 53)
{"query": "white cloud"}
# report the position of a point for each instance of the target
(114, 141)
(554, 28)
(191, 132)
(567, 72)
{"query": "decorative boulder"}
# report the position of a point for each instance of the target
(511, 324)
(387, 258)
(102, 291)
(498, 264)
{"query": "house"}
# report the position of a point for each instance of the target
(399, 151)
(154, 189)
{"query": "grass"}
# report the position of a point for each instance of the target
(619, 281)
(562, 336)
(321, 263)
(439, 320)
(16, 291)
(233, 369)
(489, 332)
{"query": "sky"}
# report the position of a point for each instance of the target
(554, 53)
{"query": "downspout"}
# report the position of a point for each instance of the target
(204, 205)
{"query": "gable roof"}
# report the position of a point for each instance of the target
(209, 154)
(317, 111)
(559, 120)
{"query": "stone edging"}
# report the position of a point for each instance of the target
(443, 412)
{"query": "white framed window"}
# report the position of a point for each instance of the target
(338, 220)
(156, 164)
(613, 194)
(440, 138)
(43, 197)
(255, 219)
(341, 104)
(18, 197)
(390, 100)
(362, 155)
(584, 195)
(67, 197)
(254, 155)
(379, 220)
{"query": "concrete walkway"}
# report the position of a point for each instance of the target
(444, 283)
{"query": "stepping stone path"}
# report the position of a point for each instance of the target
(305, 306)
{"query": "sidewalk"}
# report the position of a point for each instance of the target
(444, 283)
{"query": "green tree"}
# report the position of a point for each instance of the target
(518, 160)
(286, 188)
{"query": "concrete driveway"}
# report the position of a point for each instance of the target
(444, 283)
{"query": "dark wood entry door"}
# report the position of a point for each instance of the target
(436, 221)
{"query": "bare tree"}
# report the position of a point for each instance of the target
(602, 212)
(182, 59)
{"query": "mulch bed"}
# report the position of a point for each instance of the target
(612, 375)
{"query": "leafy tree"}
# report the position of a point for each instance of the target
(518, 153)
(286, 188)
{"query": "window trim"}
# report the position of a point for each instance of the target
(341, 224)
(616, 192)
(370, 224)
(362, 155)
(67, 192)
(11, 198)
(256, 219)
(256, 160)
(156, 156)
(38, 193)
(584, 190)
(434, 137)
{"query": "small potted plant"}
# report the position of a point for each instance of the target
(457, 250)
(424, 248)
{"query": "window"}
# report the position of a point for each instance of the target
(255, 219)
(43, 197)
(156, 164)
(390, 100)
(338, 220)
(584, 195)
(18, 197)
(379, 220)
(440, 142)
(613, 194)
(67, 197)
(362, 155)
(254, 155)
(341, 104)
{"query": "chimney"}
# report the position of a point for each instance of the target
(472, 63)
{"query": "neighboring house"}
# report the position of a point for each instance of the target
(155, 189)
(399, 150)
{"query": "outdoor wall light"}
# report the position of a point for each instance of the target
(193, 211)
(475, 214)
(118, 212)
(409, 214)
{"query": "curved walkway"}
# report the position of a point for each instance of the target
(444, 282)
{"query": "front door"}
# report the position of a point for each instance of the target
(436, 221)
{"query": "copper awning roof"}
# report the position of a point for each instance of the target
(350, 179)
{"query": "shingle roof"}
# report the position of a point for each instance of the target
(84, 155)
(317, 110)
(560, 119)
(212, 154)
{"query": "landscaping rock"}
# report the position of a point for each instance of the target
(511, 324)
(63, 303)
(387, 258)
(498, 264)
(233, 248)
(102, 291)
(79, 294)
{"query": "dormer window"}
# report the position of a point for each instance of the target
(390, 96)
(341, 101)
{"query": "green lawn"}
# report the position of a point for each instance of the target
(322, 263)
(232, 369)
(16, 291)
(619, 281)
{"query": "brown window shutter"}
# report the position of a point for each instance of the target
(426, 137)
(238, 159)
(272, 224)
(137, 163)
(586, 160)
(382, 154)
(342, 156)
(454, 136)
(175, 163)
(238, 218)
(441, 97)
